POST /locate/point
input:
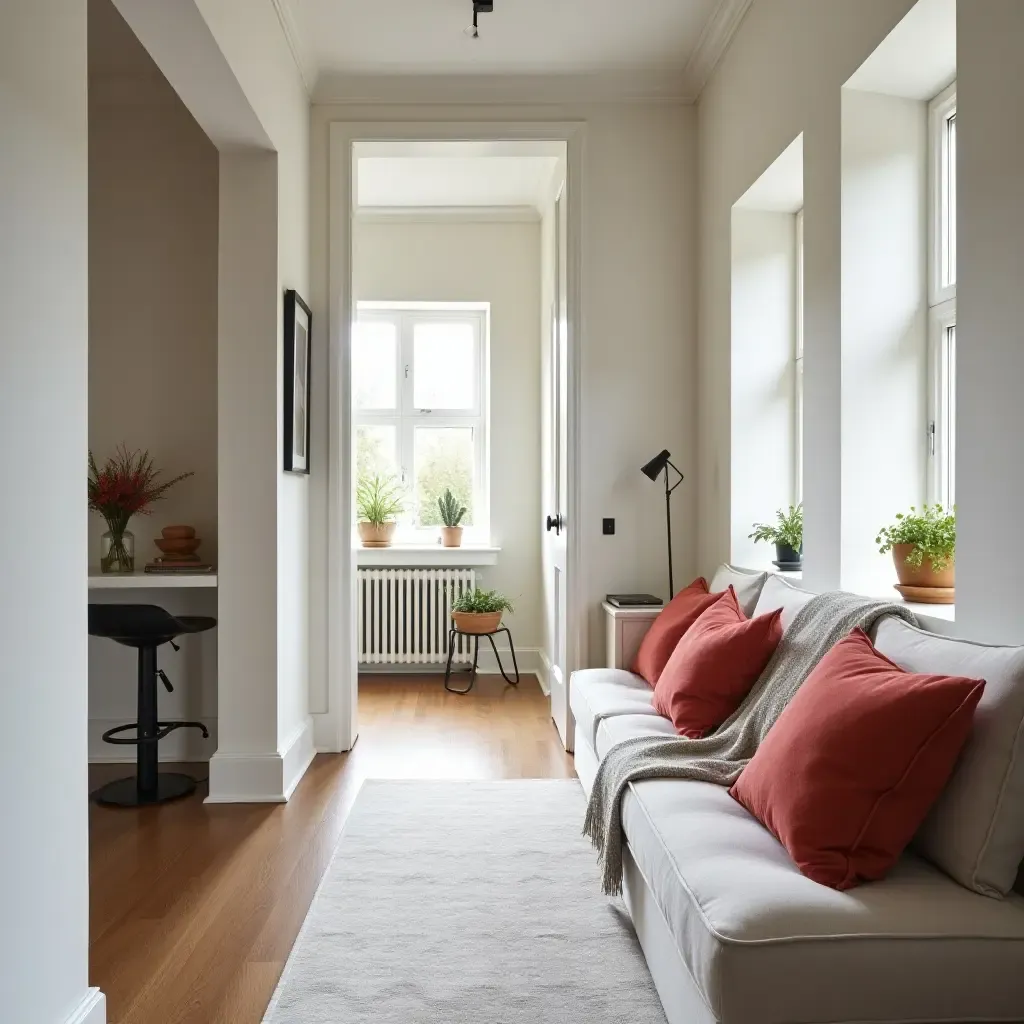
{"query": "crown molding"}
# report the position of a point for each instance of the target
(300, 53)
(447, 214)
(619, 86)
(714, 41)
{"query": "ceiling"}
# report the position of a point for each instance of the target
(335, 41)
(430, 175)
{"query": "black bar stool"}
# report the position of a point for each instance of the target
(145, 627)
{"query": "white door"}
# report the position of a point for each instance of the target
(556, 513)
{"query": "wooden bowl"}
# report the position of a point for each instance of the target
(180, 546)
(178, 532)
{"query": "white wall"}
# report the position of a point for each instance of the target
(44, 883)
(884, 326)
(990, 310)
(638, 334)
(781, 76)
(763, 426)
(456, 261)
(153, 210)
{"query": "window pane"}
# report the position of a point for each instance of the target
(376, 451)
(443, 457)
(951, 200)
(950, 416)
(374, 364)
(444, 370)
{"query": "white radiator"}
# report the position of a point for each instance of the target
(404, 614)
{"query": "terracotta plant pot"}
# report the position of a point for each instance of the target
(923, 575)
(376, 535)
(476, 622)
(451, 536)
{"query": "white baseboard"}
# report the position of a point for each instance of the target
(544, 673)
(528, 659)
(271, 778)
(91, 1010)
(180, 745)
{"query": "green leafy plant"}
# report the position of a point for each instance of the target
(482, 602)
(932, 531)
(450, 508)
(378, 500)
(788, 530)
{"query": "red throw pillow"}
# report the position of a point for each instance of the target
(847, 774)
(672, 622)
(715, 665)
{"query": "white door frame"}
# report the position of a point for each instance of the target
(338, 728)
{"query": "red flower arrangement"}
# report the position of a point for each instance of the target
(127, 485)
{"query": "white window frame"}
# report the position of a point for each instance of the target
(798, 364)
(406, 418)
(941, 430)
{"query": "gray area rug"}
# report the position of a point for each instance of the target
(451, 902)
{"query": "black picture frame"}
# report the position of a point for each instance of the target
(298, 323)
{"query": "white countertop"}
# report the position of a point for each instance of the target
(148, 581)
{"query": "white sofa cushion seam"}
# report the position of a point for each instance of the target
(788, 939)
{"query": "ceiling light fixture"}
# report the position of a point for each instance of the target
(479, 7)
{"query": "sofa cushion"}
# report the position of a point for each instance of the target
(597, 693)
(613, 731)
(672, 622)
(780, 593)
(975, 831)
(745, 582)
(856, 760)
(715, 665)
(766, 945)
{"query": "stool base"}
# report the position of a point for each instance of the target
(125, 792)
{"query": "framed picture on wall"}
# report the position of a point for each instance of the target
(297, 323)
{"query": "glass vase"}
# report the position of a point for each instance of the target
(117, 551)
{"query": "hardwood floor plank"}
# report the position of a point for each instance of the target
(195, 907)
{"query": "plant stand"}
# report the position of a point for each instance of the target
(453, 633)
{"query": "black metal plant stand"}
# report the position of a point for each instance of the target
(453, 633)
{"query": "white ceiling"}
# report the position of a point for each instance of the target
(337, 40)
(450, 175)
(917, 59)
(780, 189)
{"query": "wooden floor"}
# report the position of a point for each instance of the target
(194, 908)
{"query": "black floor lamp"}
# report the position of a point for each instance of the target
(653, 470)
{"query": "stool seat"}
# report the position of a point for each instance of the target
(145, 627)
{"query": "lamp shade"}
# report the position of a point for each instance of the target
(657, 465)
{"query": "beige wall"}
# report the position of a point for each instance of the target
(44, 856)
(499, 263)
(153, 207)
(782, 75)
(637, 355)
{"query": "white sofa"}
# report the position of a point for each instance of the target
(734, 933)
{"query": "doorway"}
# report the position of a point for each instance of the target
(476, 390)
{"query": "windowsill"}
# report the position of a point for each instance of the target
(427, 555)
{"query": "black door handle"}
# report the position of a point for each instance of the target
(555, 523)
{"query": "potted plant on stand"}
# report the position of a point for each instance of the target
(378, 504)
(923, 546)
(126, 486)
(479, 611)
(452, 512)
(787, 534)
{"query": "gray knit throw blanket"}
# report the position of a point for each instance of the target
(720, 757)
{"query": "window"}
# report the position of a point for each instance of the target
(798, 366)
(942, 299)
(419, 392)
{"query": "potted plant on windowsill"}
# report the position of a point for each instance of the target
(787, 534)
(452, 512)
(479, 611)
(378, 504)
(923, 546)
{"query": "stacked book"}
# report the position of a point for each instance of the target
(178, 567)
